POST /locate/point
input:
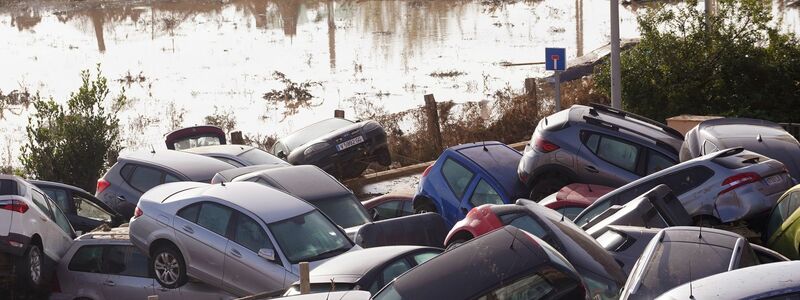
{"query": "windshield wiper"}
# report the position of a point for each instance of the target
(327, 254)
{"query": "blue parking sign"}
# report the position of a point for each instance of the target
(555, 59)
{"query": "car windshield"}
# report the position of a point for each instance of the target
(309, 237)
(676, 263)
(257, 156)
(313, 131)
(344, 210)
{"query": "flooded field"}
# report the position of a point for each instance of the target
(182, 60)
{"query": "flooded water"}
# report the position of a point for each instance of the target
(182, 60)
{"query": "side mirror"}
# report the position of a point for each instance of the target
(267, 254)
(281, 154)
(374, 214)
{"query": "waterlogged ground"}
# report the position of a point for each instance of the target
(182, 60)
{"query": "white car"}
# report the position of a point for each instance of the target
(33, 230)
(242, 237)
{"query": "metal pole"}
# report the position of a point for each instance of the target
(616, 85)
(557, 78)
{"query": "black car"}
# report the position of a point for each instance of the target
(341, 147)
(84, 211)
(507, 263)
(368, 269)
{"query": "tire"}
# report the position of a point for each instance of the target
(33, 269)
(427, 206)
(168, 267)
(454, 244)
(547, 185)
(384, 158)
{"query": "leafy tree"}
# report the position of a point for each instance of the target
(734, 63)
(71, 143)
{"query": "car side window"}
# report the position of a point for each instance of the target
(40, 201)
(618, 153)
(484, 194)
(170, 178)
(709, 147)
(794, 202)
(393, 270)
(135, 264)
(593, 211)
(657, 162)
(250, 234)
(145, 178)
(190, 212)
(387, 210)
(62, 221)
(87, 209)
(423, 257)
(60, 197)
(529, 287)
(456, 176)
(214, 217)
(408, 208)
(113, 260)
(526, 223)
(86, 259)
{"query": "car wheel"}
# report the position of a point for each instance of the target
(384, 158)
(425, 207)
(168, 266)
(454, 244)
(32, 268)
(546, 186)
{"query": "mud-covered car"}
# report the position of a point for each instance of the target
(656, 208)
(195, 136)
(84, 211)
(341, 147)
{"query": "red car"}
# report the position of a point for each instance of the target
(574, 198)
(389, 206)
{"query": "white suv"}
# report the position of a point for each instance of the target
(33, 228)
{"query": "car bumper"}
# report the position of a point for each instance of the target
(14, 244)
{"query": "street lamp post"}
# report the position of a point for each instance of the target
(616, 86)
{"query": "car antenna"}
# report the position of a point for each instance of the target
(691, 291)
(152, 149)
(222, 183)
(700, 235)
(759, 139)
(484, 146)
(562, 213)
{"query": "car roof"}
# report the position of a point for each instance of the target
(107, 234)
(711, 236)
(761, 281)
(305, 181)
(499, 162)
(57, 184)
(232, 174)
(635, 125)
(220, 149)
(355, 264)
(269, 204)
(194, 166)
(475, 266)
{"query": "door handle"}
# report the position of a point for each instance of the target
(592, 169)
(121, 198)
(236, 253)
(188, 229)
(43, 219)
(109, 283)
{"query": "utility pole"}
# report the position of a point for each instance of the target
(616, 85)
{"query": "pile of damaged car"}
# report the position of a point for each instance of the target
(600, 204)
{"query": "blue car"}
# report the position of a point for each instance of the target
(469, 175)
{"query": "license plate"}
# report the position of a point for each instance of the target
(774, 179)
(350, 143)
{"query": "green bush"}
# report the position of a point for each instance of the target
(71, 143)
(735, 63)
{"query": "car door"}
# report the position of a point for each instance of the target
(63, 232)
(459, 181)
(245, 271)
(201, 230)
(90, 212)
(85, 272)
(479, 194)
(45, 225)
(607, 160)
(127, 274)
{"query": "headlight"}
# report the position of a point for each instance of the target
(315, 148)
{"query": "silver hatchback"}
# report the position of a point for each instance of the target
(243, 237)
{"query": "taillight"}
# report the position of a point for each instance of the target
(137, 212)
(14, 205)
(543, 145)
(739, 180)
(427, 170)
(102, 184)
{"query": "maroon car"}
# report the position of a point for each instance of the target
(389, 206)
(196, 136)
(574, 198)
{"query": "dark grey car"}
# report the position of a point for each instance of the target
(84, 211)
(341, 147)
(595, 144)
(760, 136)
(136, 173)
(677, 255)
(721, 187)
(656, 208)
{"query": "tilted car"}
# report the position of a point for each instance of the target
(319, 188)
(105, 265)
(367, 269)
(425, 229)
(721, 187)
(195, 136)
(242, 237)
(389, 206)
(507, 263)
(238, 155)
(572, 199)
(467, 176)
(34, 231)
(138, 172)
(760, 136)
(84, 211)
(772, 281)
(677, 255)
(341, 147)
(603, 277)
(595, 144)
(783, 228)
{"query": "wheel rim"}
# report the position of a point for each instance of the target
(35, 264)
(167, 268)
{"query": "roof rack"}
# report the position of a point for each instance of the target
(623, 114)
(601, 123)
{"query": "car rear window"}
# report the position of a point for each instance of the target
(9, 187)
(676, 263)
(739, 160)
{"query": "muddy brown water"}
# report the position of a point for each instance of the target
(182, 60)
